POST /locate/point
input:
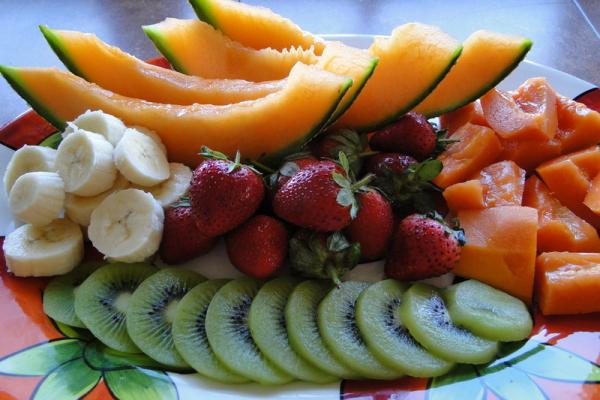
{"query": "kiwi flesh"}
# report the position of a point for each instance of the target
(102, 300)
(337, 325)
(424, 313)
(378, 319)
(303, 328)
(229, 334)
(151, 313)
(59, 295)
(488, 312)
(266, 320)
(189, 333)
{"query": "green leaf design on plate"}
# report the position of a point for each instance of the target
(459, 384)
(52, 140)
(71, 380)
(72, 332)
(42, 358)
(510, 383)
(140, 384)
(103, 358)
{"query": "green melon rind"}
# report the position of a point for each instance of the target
(525, 47)
(162, 45)
(61, 52)
(11, 74)
(203, 10)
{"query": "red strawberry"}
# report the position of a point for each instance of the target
(288, 169)
(411, 134)
(181, 240)
(382, 163)
(347, 141)
(223, 193)
(258, 247)
(423, 247)
(372, 228)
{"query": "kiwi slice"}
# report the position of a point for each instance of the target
(303, 329)
(189, 333)
(488, 312)
(101, 302)
(424, 313)
(378, 319)
(59, 295)
(266, 320)
(340, 332)
(151, 313)
(229, 335)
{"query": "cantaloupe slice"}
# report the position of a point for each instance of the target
(196, 48)
(569, 178)
(266, 128)
(471, 112)
(113, 69)
(476, 148)
(500, 248)
(567, 283)
(578, 125)
(255, 27)
(559, 229)
(487, 58)
(411, 63)
(464, 196)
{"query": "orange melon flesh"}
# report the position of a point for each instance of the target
(113, 69)
(592, 198)
(559, 229)
(487, 58)
(477, 147)
(529, 153)
(267, 128)
(464, 195)
(196, 48)
(503, 184)
(255, 27)
(569, 178)
(530, 113)
(471, 112)
(500, 248)
(411, 63)
(579, 126)
(567, 283)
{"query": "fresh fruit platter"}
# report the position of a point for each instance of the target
(262, 212)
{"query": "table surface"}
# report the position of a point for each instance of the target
(565, 32)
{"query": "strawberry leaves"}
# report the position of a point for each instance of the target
(345, 196)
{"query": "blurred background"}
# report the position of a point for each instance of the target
(564, 32)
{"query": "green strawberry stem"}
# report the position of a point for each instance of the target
(333, 275)
(262, 167)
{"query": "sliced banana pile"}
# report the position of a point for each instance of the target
(106, 180)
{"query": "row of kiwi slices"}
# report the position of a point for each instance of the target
(286, 329)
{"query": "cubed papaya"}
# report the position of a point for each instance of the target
(567, 283)
(559, 229)
(503, 184)
(578, 125)
(569, 178)
(529, 113)
(464, 195)
(592, 198)
(501, 248)
(529, 153)
(471, 112)
(476, 147)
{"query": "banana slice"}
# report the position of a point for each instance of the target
(112, 128)
(79, 208)
(172, 189)
(152, 134)
(52, 249)
(140, 159)
(28, 159)
(37, 198)
(85, 163)
(127, 226)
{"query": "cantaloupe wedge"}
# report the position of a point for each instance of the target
(464, 196)
(255, 27)
(487, 58)
(559, 229)
(500, 248)
(412, 62)
(578, 125)
(567, 283)
(569, 178)
(113, 69)
(471, 112)
(196, 48)
(477, 147)
(266, 128)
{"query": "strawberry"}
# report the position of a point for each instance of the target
(319, 197)
(181, 240)
(382, 163)
(289, 168)
(411, 134)
(347, 141)
(258, 247)
(223, 193)
(319, 255)
(373, 225)
(423, 247)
